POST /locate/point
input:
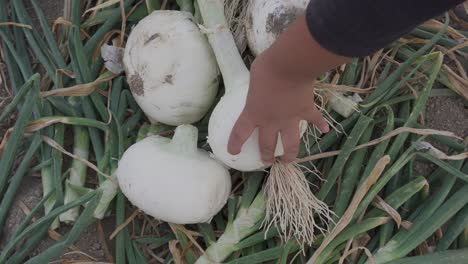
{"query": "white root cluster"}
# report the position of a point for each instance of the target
(292, 207)
(236, 14)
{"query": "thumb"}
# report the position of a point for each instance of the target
(239, 134)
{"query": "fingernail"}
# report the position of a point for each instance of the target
(233, 152)
(324, 128)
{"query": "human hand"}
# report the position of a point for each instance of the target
(281, 93)
(276, 103)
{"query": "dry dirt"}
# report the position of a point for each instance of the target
(445, 113)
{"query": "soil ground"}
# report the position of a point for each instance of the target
(444, 113)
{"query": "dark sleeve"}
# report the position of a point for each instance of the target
(357, 28)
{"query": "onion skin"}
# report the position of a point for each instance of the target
(220, 126)
(171, 69)
(267, 19)
(172, 180)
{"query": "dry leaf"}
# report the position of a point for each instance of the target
(58, 147)
(413, 41)
(63, 21)
(80, 89)
(102, 238)
(103, 5)
(5, 140)
(366, 251)
(382, 205)
(189, 234)
(341, 88)
(427, 147)
(15, 25)
(424, 132)
(175, 251)
(459, 84)
(406, 224)
(124, 224)
(437, 25)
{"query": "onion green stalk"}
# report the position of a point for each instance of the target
(379, 150)
(463, 239)
(81, 64)
(186, 5)
(15, 76)
(456, 227)
(109, 190)
(23, 91)
(419, 104)
(15, 181)
(56, 171)
(23, 67)
(34, 41)
(351, 231)
(397, 248)
(46, 172)
(108, 25)
(85, 219)
(427, 209)
(248, 220)
(6, 161)
(33, 240)
(267, 255)
(40, 223)
(383, 89)
(351, 177)
(387, 230)
(54, 47)
(383, 180)
(39, 206)
(449, 256)
(449, 43)
(346, 151)
(152, 5)
(120, 238)
(400, 196)
(77, 173)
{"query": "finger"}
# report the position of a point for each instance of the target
(267, 138)
(241, 131)
(291, 140)
(316, 118)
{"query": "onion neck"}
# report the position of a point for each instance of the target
(224, 46)
(185, 5)
(185, 139)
